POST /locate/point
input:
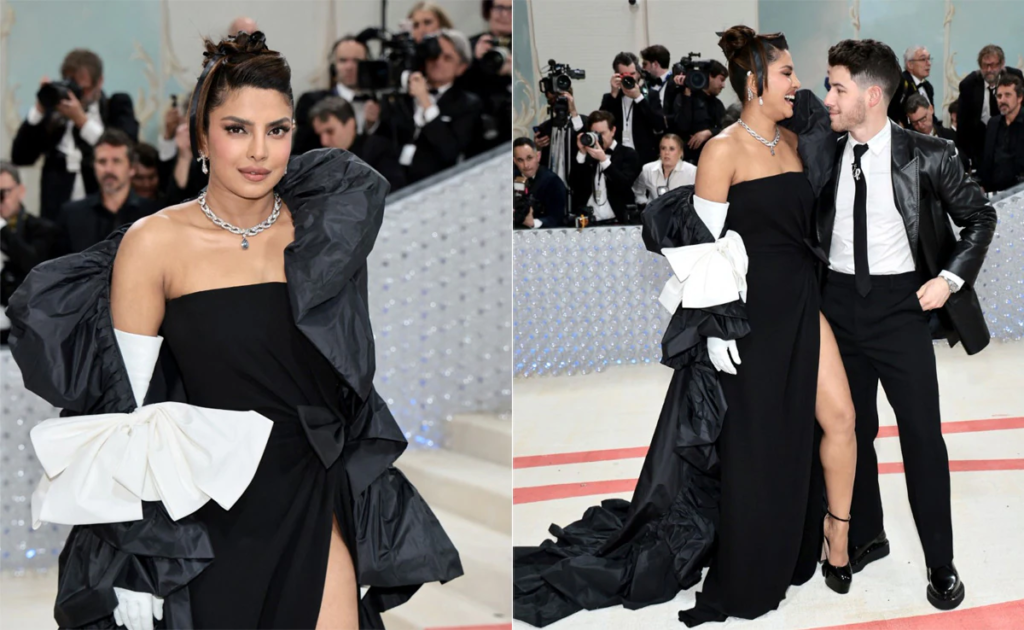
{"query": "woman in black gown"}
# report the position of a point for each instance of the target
(270, 321)
(729, 479)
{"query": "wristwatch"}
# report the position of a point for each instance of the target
(953, 287)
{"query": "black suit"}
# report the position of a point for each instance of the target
(970, 132)
(619, 177)
(305, 136)
(440, 142)
(667, 95)
(1002, 163)
(691, 114)
(647, 120)
(495, 93)
(85, 222)
(57, 183)
(545, 129)
(30, 241)
(905, 88)
(382, 156)
(550, 194)
(886, 337)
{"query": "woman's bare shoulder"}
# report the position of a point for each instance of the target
(155, 235)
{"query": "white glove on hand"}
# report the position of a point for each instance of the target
(137, 610)
(720, 351)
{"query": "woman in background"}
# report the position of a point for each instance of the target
(667, 173)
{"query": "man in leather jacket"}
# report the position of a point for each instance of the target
(897, 278)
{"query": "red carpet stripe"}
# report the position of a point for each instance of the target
(583, 457)
(1005, 616)
(534, 494)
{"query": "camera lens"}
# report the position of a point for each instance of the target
(563, 83)
(590, 139)
(628, 82)
(697, 80)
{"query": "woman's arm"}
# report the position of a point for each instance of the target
(714, 171)
(137, 294)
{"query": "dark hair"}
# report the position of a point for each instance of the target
(914, 102)
(147, 155)
(10, 169)
(674, 138)
(658, 54)
(523, 142)
(991, 49)
(246, 62)
(717, 69)
(332, 106)
(1013, 80)
(80, 58)
(625, 59)
(601, 116)
(748, 52)
(870, 62)
(114, 137)
(954, 107)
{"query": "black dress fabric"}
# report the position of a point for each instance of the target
(238, 348)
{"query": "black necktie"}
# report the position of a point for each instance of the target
(993, 105)
(862, 274)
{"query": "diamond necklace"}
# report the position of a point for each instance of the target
(247, 232)
(770, 145)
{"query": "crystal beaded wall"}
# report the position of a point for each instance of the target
(587, 300)
(440, 291)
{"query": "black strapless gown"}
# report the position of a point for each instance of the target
(738, 503)
(238, 348)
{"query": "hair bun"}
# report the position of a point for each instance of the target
(736, 39)
(237, 47)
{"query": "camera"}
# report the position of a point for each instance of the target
(559, 78)
(399, 54)
(523, 202)
(494, 59)
(628, 82)
(590, 139)
(696, 71)
(51, 94)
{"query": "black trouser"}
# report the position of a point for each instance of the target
(885, 337)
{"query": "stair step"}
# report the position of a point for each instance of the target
(437, 606)
(474, 489)
(485, 436)
(486, 559)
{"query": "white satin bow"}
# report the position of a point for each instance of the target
(99, 468)
(705, 275)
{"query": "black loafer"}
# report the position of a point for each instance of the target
(945, 589)
(866, 554)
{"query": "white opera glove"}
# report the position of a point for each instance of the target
(723, 353)
(135, 610)
(140, 353)
(712, 213)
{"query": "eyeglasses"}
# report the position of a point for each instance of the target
(928, 59)
(502, 8)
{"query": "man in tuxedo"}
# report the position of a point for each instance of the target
(1002, 165)
(433, 123)
(334, 121)
(697, 116)
(556, 139)
(602, 182)
(346, 54)
(66, 136)
(898, 277)
(492, 83)
(639, 122)
(978, 102)
(656, 62)
(914, 80)
(25, 239)
(88, 221)
(546, 189)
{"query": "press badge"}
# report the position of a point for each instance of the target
(408, 151)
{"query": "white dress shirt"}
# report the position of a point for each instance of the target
(560, 139)
(888, 245)
(652, 177)
(423, 117)
(90, 132)
(920, 88)
(359, 107)
(599, 198)
(628, 112)
(986, 113)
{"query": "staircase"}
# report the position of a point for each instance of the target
(469, 487)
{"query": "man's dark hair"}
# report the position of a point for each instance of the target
(601, 116)
(870, 62)
(1007, 79)
(657, 54)
(523, 142)
(10, 169)
(332, 106)
(914, 102)
(954, 108)
(717, 69)
(989, 50)
(80, 58)
(147, 155)
(114, 137)
(624, 59)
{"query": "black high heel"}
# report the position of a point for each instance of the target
(838, 579)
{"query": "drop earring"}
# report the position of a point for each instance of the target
(760, 100)
(204, 161)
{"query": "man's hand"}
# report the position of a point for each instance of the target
(933, 294)
(597, 153)
(183, 141)
(528, 221)
(572, 105)
(72, 109)
(485, 43)
(679, 79)
(39, 106)
(634, 93)
(418, 89)
(542, 141)
(171, 121)
(616, 84)
(371, 112)
(579, 145)
(699, 139)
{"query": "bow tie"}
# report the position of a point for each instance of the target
(655, 82)
(360, 98)
(433, 91)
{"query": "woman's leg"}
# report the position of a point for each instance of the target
(835, 412)
(339, 609)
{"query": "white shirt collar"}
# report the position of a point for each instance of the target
(441, 90)
(611, 148)
(917, 82)
(877, 144)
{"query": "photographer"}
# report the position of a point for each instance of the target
(490, 75)
(556, 136)
(639, 123)
(334, 122)
(25, 240)
(657, 63)
(434, 122)
(697, 114)
(546, 192)
(602, 182)
(68, 118)
(346, 54)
